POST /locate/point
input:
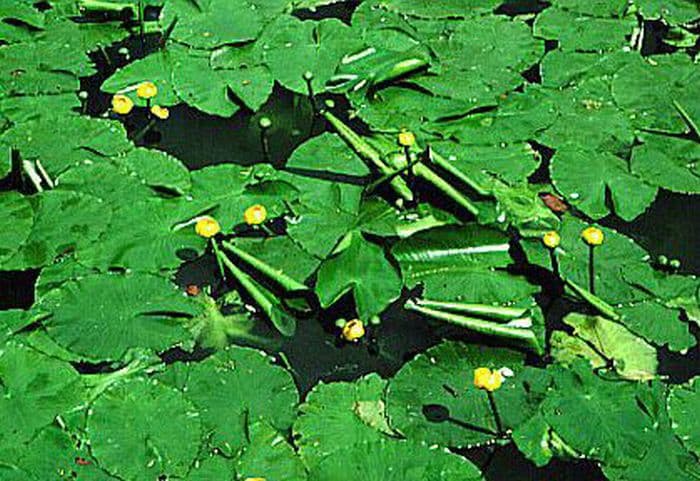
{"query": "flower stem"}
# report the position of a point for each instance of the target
(591, 269)
(369, 154)
(603, 307)
(496, 416)
(284, 281)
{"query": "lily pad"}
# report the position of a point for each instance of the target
(337, 415)
(394, 461)
(433, 399)
(35, 389)
(359, 267)
(16, 211)
(101, 317)
(143, 429)
(683, 404)
(232, 387)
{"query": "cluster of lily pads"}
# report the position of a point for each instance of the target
(470, 157)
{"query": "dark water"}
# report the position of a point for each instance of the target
(670, 227)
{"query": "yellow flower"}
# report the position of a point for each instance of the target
(147, 90)
(255, 479)
(122, 104)
(353, 330)
(407, 139)
(207, 227)
(481, 374)
(485, 378)
(255, 214)
(551, 239)
(161, 112)
(593, 236)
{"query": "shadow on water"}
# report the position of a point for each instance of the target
(199, 139)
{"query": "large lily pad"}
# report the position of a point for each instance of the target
(433, 398)
(359, 267)
(233, 387)
(337, 415)
(101, 317)
(394, 461)
(683, 403)
(461, 263)
(143, 429)
(35, 389)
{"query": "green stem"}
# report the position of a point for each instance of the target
(446, 165)
(285, 282)
(479, 325)
(483, 310)
(219, 254)
(591, 269)
(603, 307)
(104, 6)
(369, 154)
(496, 416)
(248, 284)
(692, 126)
(427, 174)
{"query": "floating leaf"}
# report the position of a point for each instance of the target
(338, 415)
(102, 316)
(269, 456)
(633, 358)
(433, 398)
(143, 429)
(232, 387)
(15, 211)
(35, 389)
(683, 403)
(359, 267)
(394, 461)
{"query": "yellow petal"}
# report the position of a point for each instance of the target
(593, 236)
(147, 90)
(255, 214)
(122, 104)
(160, 112)
(551, 239)
(207, 227)
(481, 374)
(407, 139)
(353, 330)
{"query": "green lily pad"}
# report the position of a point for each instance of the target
(15, 211)
(683, 403)
(232, 387)
(579, 398)
(142, 429)
(465, 263)
(327, 153)
(439, 383)
(210, 23)
(337, 415)
(35, 389)
(101, 317)
(668, 162)
(394, 461)
(269, 456)
(359, 267)
(633, 358)
(64, 222)
(646, 91)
